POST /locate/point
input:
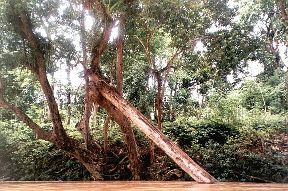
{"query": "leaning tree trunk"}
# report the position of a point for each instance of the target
(88, 158)
(121, 120)
(116, 106)
(70, 146)
(159, 112)
(135, 116)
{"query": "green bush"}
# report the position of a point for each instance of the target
(24, 158)
(230, 153)
(186, 133)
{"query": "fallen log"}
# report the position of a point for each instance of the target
(135, 116)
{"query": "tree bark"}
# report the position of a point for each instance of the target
(86, 157)
(84, 123)
(135, 116)
(121, 120)
(25, 29)
(53, 107)
(68, 94)
(283, 13)
(126, 129)
(105, 129)
(68, 145)
(161, 82)
(119, 63)
(39, 132)
(159, 100)
(57, 136)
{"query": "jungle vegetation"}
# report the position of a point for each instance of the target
(81, 80)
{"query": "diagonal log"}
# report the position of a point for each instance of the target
(136, 117)
(127, 132)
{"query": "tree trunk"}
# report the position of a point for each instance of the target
(68, 94)
(159, 101)
(87, 158)
(171, 109)
(121, 120)
(119, 63)
(84, 123)
(133, 156)
(135, 116)
(71, 146)
(126, 129)
(105, 129)
(282, 9)
(158, 111)
(68, 107)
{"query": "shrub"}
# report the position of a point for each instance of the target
(185, 133)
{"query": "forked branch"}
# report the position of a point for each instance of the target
(24, 27)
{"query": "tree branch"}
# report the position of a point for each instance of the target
(39, 132)
(98, 6)
(283, 13)
(108, 24)
(25, 29)
(167, 70)
(119, 64)
(84, 124)
(101, 46)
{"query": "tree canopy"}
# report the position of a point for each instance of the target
(73, 70)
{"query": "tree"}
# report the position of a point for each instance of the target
(37, 50)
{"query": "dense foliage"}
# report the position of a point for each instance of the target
(215, 70)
